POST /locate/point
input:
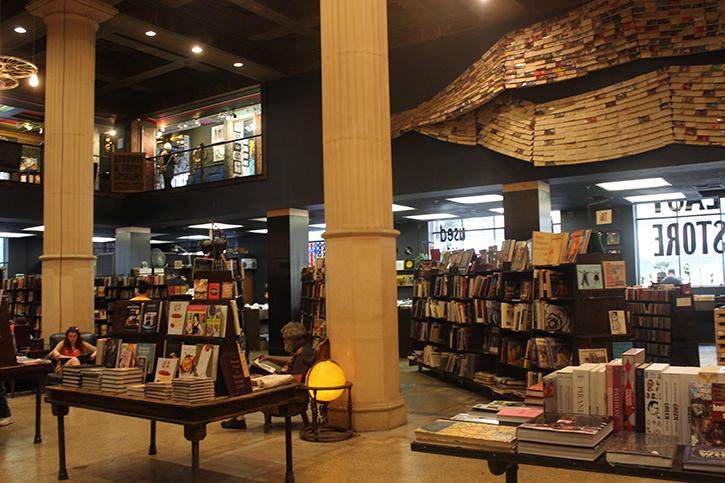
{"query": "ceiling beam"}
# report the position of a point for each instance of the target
(180, 45)
(258, 8)
(281, 31)
(111, 80)
(132, 81)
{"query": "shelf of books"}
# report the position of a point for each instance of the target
(501, 323)
(24, 299)
(624, 411)
(662, 320)
(312, 304)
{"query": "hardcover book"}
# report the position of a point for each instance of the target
(214, 292)
(630, 360)
(216, 320)
(151, 316)
(112, 350)
(496, 406)
(615, 274)
(236, 379)
(615, 406)
(133, 315)
(187, 360)
(227, 290)
(195, 320)
(642, 450)
(147, 351)
(589, 276)
(201, 288)
(567, 429)
(518, 415)
(704, 458)
(468, 435)
(639, 397)
(177, 317)
(127, 358)
(654, 405)
(166, 369)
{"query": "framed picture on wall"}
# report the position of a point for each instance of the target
(615, 251)
(596, 356)
(613, 238)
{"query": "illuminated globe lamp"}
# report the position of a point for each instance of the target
(326, 382)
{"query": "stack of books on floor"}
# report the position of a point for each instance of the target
(535, 395)
(72, 376)
(193, 389)
(470, 435)
(159, 390)
(573, 436)
(91, 378)
(136, 390)
(117, 379)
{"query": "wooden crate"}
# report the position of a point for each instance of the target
(720, 335)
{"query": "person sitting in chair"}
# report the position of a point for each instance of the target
(72, 350)
(298, 343)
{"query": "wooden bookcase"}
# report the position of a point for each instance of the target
(662, 322)
(312, 304)
(24, 295)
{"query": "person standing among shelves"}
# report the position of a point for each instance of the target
(168, 159)
(143, 288)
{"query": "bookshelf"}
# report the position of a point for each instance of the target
(312, 305)
(662, 321)
(24, 297)
(501, 330)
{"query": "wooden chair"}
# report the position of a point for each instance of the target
(322, 352)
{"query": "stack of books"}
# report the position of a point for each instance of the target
(91, 378)
(573, 436)
(471, 435)
(193, 389)
(117, 379)
(710, 459)
(535, 395)
(159, 390)
(484, 378)
(518, 415)
(136, 390)
(642, 450)
(72, 376)
(490, 409)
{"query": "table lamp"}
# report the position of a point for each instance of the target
(326, 382)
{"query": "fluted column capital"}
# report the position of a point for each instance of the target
(92, 9)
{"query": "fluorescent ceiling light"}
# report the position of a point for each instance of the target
(161, 242)
(655, 197)
(194, 237)
(634, 184)
(5, 234)
(102, 239)
(471, 200)
(431, 216)
(20, 29)
(496, 210)
(262, 219)
(397, 208)
(318, 225)
(261, 231)
(216, 226)
(40, 228)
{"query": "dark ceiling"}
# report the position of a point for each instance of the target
(137, 74)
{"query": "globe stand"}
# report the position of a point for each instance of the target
(320, 431)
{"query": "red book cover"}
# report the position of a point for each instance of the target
(215, 289)
(630, 360)
(530, 413)
(614, 396)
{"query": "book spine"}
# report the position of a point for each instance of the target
(563, 392)
(666, 404)
(610, 390)
(653, 401)
(550, 396)
(614, 398)
(580, 392)
(639, 400)
(629, 392)
(601, 386)
(675, 383)
(684, 399)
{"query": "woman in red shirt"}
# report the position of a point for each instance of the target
(71, 348)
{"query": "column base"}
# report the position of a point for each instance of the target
(373, 416)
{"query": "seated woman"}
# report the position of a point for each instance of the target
(71, 350)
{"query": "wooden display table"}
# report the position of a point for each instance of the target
(39, 372)
(194, 417)
(507, 463)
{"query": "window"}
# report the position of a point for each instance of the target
(556, 221)
(464, 233)
(3, 252)
(685, 236)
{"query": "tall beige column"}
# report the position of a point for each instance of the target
(360, 251)
(69, 81)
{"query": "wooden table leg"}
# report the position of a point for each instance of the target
(289, 476)
(509, 469)
(38, 389)
(61, 412)
(512, 473)
(152, 442)
(195, 433)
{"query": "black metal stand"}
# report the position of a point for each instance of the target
(320, 431)
(289, 476)
(152, 440)
(38, 389)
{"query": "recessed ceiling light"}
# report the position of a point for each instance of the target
(238, 64)
(397, 208)
(216, 226)
(634, 184)
(5, 234)
(262, 219)
(150, 33)
(262, 231)
(20, 29)
(655, 197)
(194, 237)
(470, 200)
(40, 228)
(197, 50)
(318, 225)
(102, 239)
(496, 210)
(161, 242)
(431, 216)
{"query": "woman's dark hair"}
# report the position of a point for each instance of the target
(79, 341)
(143, 286)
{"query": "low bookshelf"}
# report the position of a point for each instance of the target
(24, 295)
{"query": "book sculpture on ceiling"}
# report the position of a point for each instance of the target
(671, 105)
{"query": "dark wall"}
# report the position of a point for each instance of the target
(413, 235)
(257, 247)
(622, 221)
(23, 255)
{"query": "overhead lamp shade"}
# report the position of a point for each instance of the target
(325, 374)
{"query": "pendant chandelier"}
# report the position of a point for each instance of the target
(13, 69)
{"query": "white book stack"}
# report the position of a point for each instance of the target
(117, 379)
(598, 390)
(564, 381)
(136, 390)
(193, 389)
(72, 376)
(91, 378)
(581, 391)
(159, 390)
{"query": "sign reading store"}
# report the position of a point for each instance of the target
(680, 237)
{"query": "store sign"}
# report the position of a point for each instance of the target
(452, 234)
(692, 234)
(128, 172)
